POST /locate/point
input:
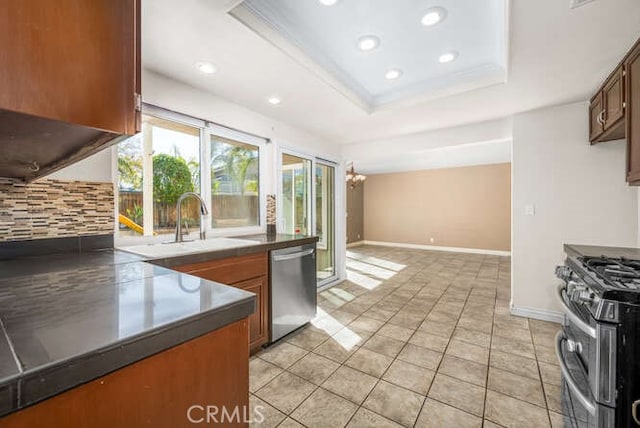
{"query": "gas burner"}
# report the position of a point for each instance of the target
(616, 272)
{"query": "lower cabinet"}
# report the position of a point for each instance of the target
(174, 388)
(249, 273)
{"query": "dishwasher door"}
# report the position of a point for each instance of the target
(293, 289)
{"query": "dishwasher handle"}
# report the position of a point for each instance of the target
(291, 256)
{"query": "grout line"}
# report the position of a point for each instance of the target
(493, 325)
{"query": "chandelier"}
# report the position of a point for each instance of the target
(353, 178)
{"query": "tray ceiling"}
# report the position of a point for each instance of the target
(324, 38)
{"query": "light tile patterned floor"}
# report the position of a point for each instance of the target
(414, 338)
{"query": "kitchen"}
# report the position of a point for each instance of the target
(479, 154)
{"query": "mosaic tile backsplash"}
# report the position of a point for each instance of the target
(55, 208)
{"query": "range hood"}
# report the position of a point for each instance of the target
(32, 147)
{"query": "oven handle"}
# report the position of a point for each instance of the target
(575, 319)
(566, 374)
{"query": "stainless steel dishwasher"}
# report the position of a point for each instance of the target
(293, 289)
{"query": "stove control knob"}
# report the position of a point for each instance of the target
(585, 296)
(563, 272)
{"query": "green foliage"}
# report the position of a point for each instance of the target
(171, 178)
(130, 163)
(236, 161)
(135, 214)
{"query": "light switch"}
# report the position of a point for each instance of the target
(530, 209)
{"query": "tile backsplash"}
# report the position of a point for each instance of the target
(55, 208)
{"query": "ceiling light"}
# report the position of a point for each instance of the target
(447, 57)
(206, 67)
(433, 16)
(328, 2)
(368, 43)
(274, 101)
(393, 74)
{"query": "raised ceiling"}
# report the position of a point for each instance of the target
(556, 55)
(325, 38)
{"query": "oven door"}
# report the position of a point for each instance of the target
(594, 346)
(580, 408)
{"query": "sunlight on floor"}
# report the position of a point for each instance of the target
(387, 264)
(342, 335)
(362, 280)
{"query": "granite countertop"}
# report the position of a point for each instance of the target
(66, 319)
(597, 251)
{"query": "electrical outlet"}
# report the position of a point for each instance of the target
(358, 236)
(432, 240)
(530, 209)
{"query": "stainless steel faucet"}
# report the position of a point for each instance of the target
(203, 212)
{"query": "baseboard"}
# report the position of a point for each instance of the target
(355, 244)
(436, 248)
(538, 314)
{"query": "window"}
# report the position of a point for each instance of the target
(161, 163)
(235, 183)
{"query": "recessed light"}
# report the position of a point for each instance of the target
(447, 57)
(393, 74)
(433, 16)
(328, 2)
(206, 67)
(368, 43)
(274, 101)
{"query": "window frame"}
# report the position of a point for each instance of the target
(207, 130)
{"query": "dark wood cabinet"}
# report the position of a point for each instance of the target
(613, 100)
(210, 370)
(249, 273)
(69, 79)
(595, 116)
(606, 109)
(632, 114)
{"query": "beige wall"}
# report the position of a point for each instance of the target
(468, 207)
(355, 213)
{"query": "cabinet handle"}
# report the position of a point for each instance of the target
(634, 411)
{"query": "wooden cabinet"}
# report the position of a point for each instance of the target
(614, 111)
(70, 79)
(606, 110)
(595, 116)
(210, 370)
(248, 273)
(632, 114)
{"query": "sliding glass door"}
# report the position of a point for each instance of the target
(296, 195)
(307, 206)
(325, 201)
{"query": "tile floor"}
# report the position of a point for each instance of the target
(416, 339)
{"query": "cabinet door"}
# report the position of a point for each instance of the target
(613, 97)
(258, 322)
(595, 114)
(632, 67)
(74, 61)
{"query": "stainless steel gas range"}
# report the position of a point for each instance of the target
(598, 347)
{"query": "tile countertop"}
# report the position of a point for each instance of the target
(597, 251)
(66, 319)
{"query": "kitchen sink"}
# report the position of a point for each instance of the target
(179, 248)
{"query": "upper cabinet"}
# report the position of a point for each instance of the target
(614, 111)
(606, 111)
(632, 95)
(69, 81)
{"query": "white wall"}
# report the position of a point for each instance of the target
(479, 143)
(97, 167)
(580, 197)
